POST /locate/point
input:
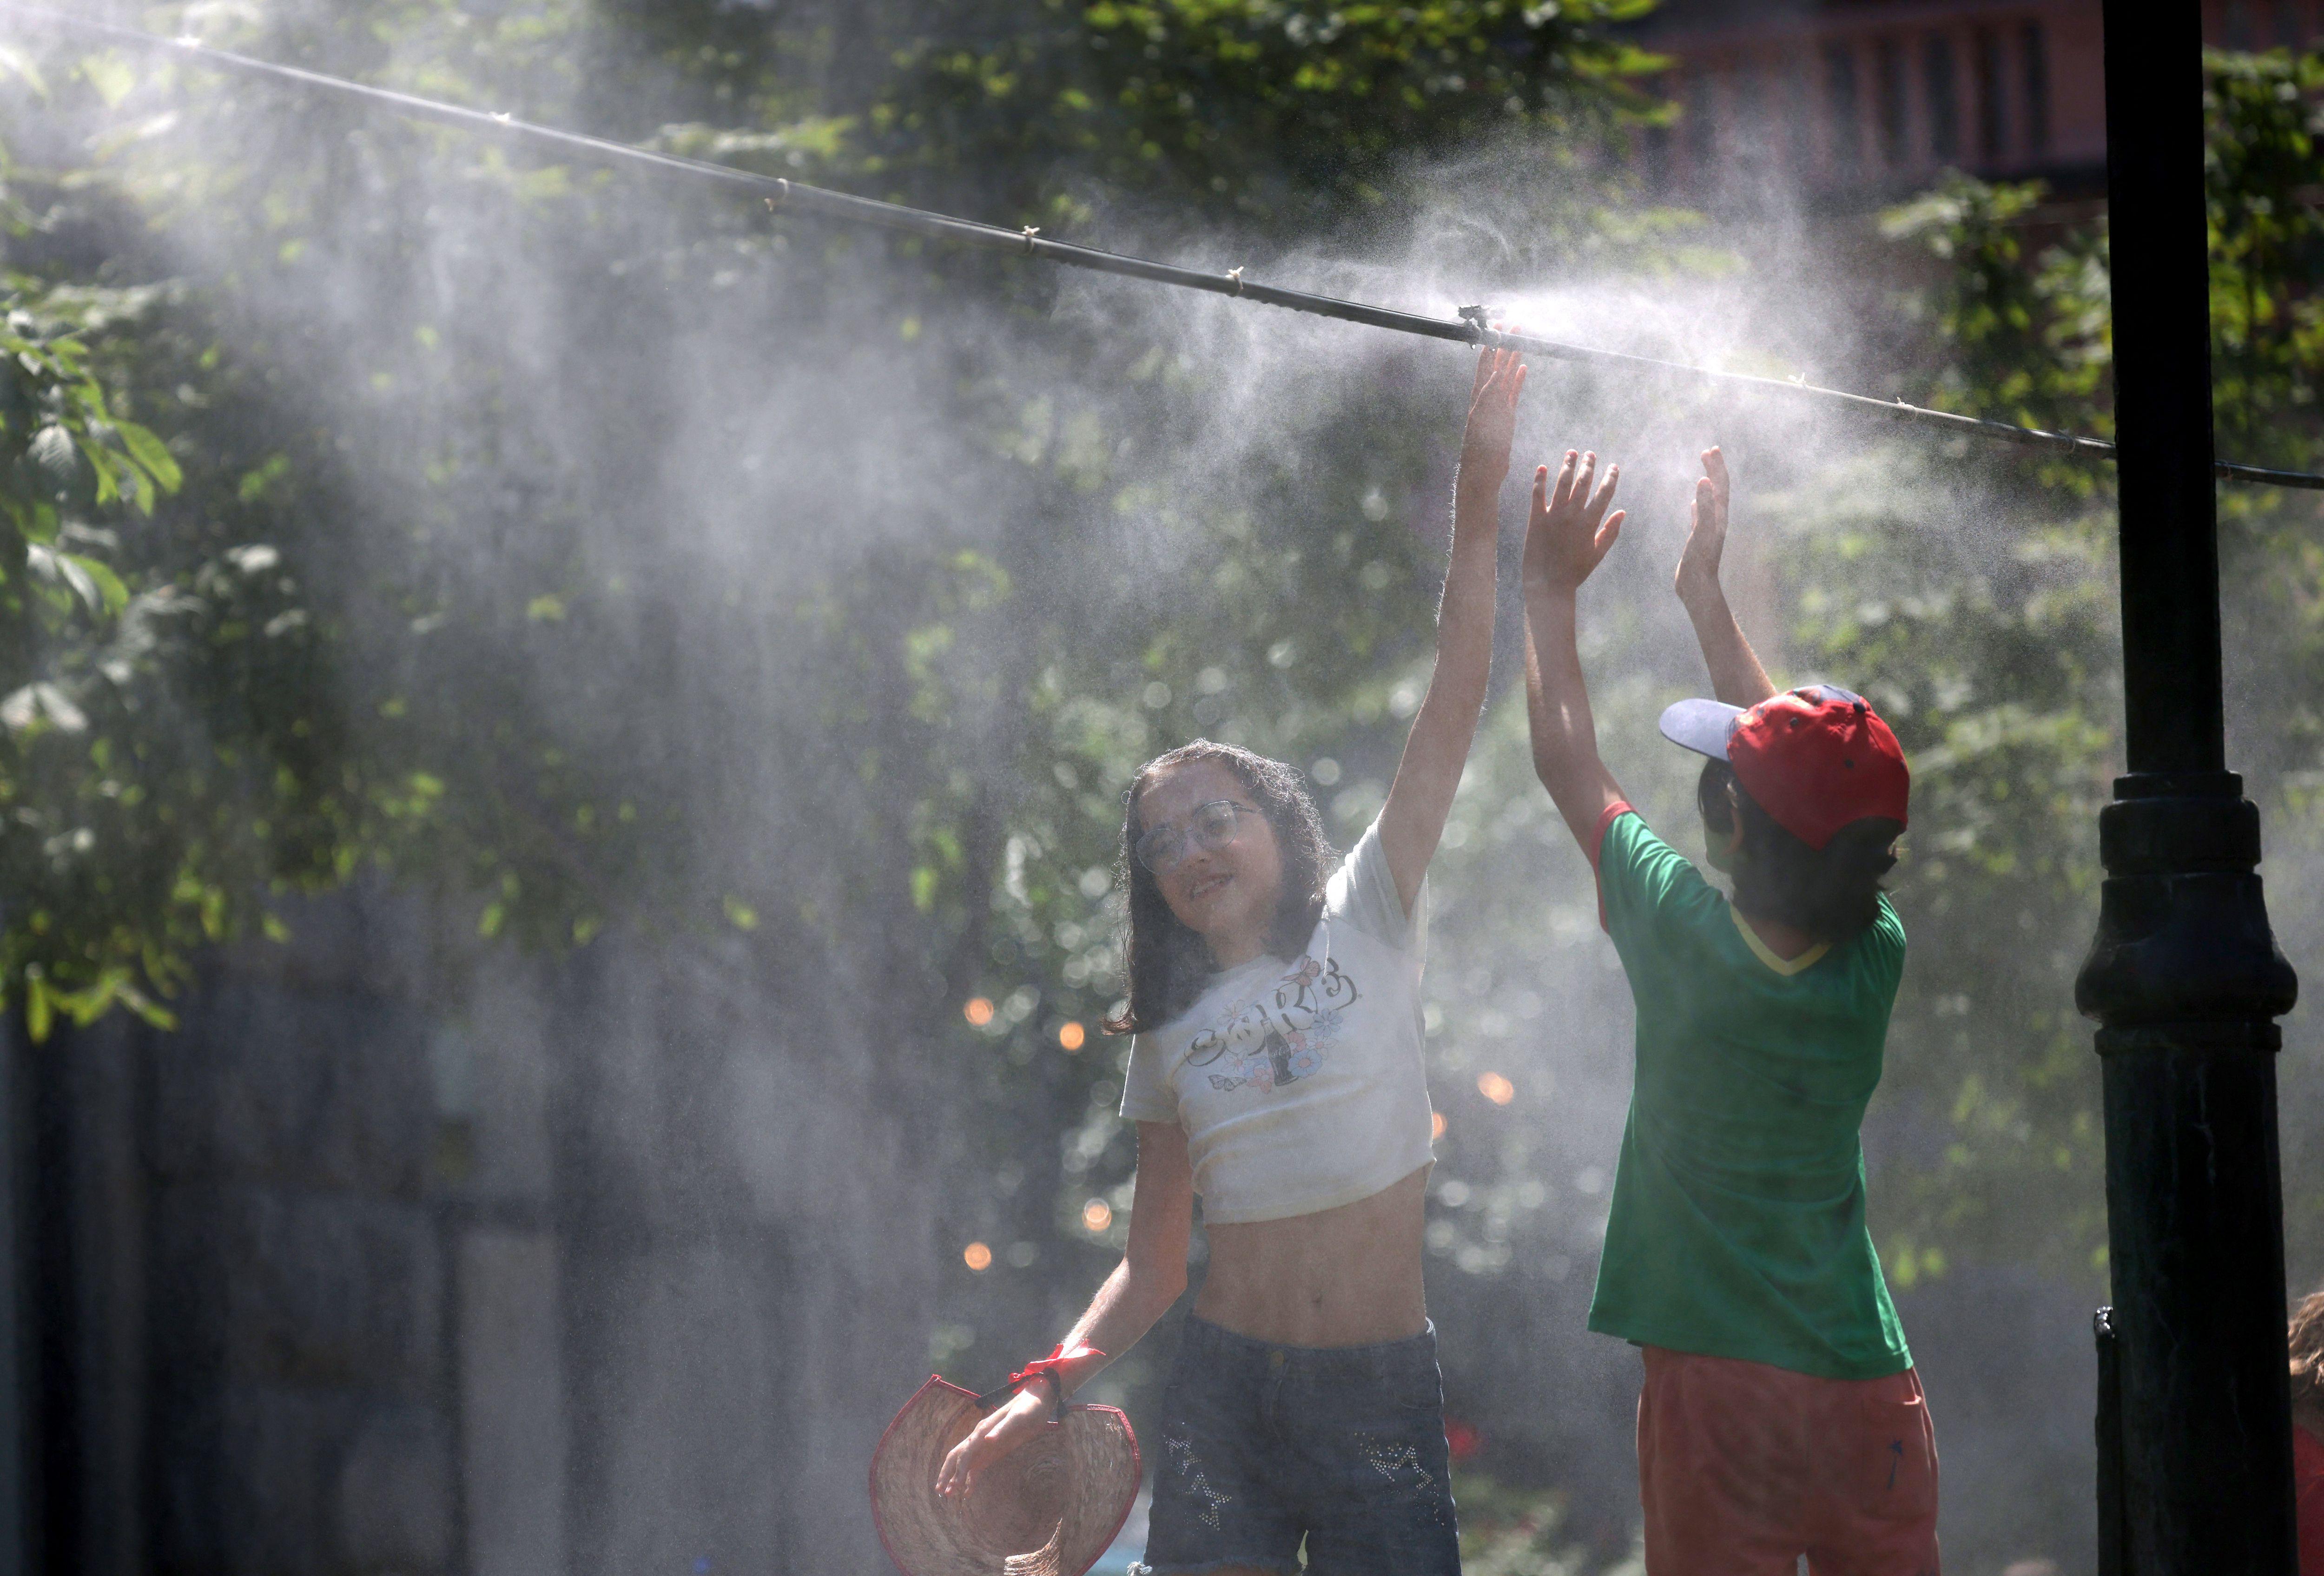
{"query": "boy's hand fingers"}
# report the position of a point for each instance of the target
(1565, 489)
(1605, 495)
(1608, 534)
(1484, 375)
(1517, 383)
(1583, 480)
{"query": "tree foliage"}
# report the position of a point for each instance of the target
(1303, 117)
(152, 781)
(2001, 665)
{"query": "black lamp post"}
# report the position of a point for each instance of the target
(2184, 977)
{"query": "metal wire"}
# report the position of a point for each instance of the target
(783, 194)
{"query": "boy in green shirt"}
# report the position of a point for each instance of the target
(1781, 1416)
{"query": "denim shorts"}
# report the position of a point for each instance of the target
(1263, 1445)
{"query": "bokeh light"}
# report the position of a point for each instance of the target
(1435, 1125)
(1495, 1088)
(979, 1010)
(977, 1257)
(1097, 1214)
(1072, 1036)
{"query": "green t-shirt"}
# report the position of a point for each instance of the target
(1738, 1223)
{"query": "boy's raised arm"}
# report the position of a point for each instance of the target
(1567, 536)
(1736, 677)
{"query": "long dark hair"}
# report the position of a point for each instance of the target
(1165, 961)
(1832, 892)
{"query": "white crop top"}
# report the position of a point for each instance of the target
(1300, 1084)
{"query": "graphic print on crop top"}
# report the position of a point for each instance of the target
(1299, 1082)
(1282, 1036)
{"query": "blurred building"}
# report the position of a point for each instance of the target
(1854, 100)
(369, 1271)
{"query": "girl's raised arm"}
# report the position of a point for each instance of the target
(1436, 751)
(1151, 1276)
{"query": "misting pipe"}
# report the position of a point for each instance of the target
(782, 195)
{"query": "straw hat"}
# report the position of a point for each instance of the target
(1047, 1508)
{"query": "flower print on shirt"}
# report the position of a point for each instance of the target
(1280, 1036)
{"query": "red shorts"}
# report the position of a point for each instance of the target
(1743, 1467)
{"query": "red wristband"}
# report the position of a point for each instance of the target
(1050, 1367)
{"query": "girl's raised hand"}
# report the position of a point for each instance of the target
(1706, 542)
(1492, 420)
(1569, 532)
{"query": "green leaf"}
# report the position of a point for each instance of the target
(88, 1005)
(48, 564)
(17, 64)
(41, 705)
(51, 449)
(39, 1013)
(152, 454)
(110, 75)
(147, 1007)
(108, 584)
(255, 484)
(108, 484)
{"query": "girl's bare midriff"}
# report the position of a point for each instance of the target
(1349, 1276)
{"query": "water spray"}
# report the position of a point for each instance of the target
(1471, 326)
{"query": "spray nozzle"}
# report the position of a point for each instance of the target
(1478, 318)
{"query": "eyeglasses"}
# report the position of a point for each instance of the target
(1211, 826)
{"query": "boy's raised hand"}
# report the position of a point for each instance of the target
(1492, 420)
(1706, 542)
(1737, 677)
(1569, 531)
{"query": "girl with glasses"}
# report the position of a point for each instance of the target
(1274, 995)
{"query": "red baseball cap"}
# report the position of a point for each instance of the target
(1815, 759)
